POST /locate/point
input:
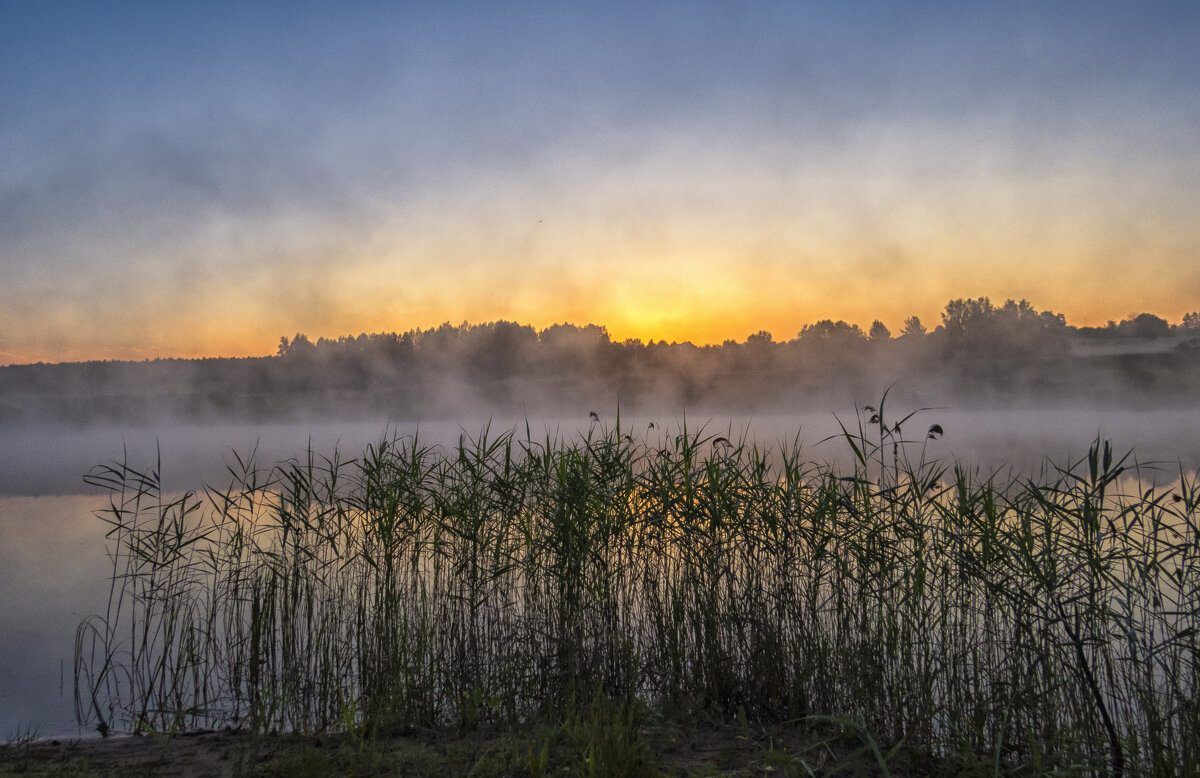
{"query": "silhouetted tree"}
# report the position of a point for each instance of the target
(756, 355)
(978, 328)
(759, 339)
(829, 331)
(499, 350)
(300, 346)
(1147, 325)
(834, 344)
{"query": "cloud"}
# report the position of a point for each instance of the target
(278, 171)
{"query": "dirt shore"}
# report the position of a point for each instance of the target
(202, 754)
(672, 750)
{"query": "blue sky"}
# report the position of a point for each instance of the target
(188, 179)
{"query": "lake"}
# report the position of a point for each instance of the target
(53, 566)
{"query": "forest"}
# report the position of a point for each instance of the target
(979, 355)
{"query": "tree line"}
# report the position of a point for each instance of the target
(979, 352)
(1016, 328)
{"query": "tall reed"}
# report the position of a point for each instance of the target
(1037, 622)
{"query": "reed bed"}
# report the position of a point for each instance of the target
(1039, 623)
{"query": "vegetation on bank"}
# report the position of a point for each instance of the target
(981, 353)
(1032, 625)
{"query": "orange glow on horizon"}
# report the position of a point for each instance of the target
(711, 325)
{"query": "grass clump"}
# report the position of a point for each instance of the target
(623, 578)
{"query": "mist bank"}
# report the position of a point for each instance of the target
(980, 356)
(51, 459)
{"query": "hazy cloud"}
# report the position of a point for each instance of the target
(273, 162)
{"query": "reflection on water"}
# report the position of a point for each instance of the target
(53, 573)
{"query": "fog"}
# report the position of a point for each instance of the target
(1010, 384)
(43, 460)
(53, 565)
(981, 356)
(1013, 390)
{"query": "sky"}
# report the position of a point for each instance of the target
(198, 179)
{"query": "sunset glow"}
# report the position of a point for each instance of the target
(198, 182)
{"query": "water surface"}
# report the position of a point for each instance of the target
(54, 569)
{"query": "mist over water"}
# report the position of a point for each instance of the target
(1016, 410)
(53, 565)
(45, 460)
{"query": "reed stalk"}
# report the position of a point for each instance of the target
(1038, 622)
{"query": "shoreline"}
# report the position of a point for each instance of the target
(655, 747)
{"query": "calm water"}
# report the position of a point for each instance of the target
(54, 568)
